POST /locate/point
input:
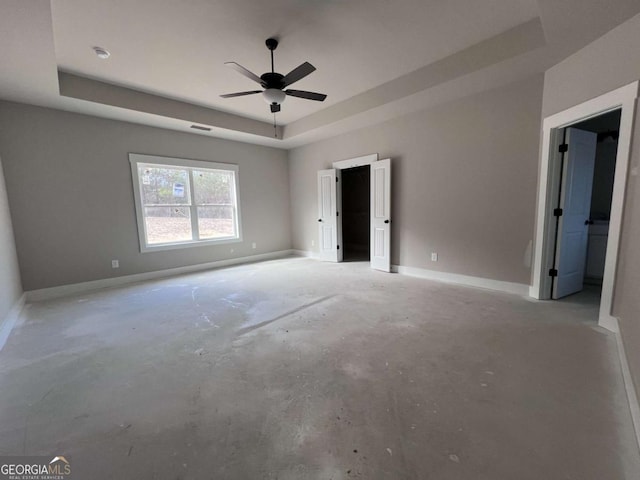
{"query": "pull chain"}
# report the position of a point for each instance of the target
(275, 130)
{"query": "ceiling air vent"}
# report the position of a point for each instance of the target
(198, 127)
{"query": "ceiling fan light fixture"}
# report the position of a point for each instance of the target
(273, 95)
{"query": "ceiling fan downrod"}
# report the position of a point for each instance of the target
(272, 44)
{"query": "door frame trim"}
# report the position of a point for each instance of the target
(343, 165)
(355, 162)
(623, 98)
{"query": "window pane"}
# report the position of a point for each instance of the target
(164, 186)
(168, 224)
(214, 222)
(214, 187)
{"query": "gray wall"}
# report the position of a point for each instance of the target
(464, 182)
(608, 63)
(69, 185)
(10, 287)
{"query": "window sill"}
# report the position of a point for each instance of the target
(197, 243)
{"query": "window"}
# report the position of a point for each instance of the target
(181, 203)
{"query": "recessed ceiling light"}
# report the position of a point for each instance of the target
(101, 53)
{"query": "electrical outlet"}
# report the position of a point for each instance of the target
(434, 257)
(253, 245)
(115, 264)
(313, 243)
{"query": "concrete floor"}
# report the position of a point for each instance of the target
(295, 369)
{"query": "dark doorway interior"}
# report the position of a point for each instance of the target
(355, 213)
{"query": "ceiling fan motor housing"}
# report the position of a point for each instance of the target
(272, 80)
(273, 83)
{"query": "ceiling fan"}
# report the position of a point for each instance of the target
(274, 83)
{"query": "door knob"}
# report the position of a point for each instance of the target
(319, 219)
(387, 221)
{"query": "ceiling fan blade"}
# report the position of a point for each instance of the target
(298, 73)
(275, 108)
(243, 71)
(240, 94)
(308, 95)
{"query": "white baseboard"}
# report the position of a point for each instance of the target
(304, 253)
(11, 319)
(469, 281)
(56, 292)
(609, 322)
(534, 293)
(629, 386)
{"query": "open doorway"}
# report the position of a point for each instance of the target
(583, 212)
(331, 215)
(606, 130)
(356, 213)
(552, 211)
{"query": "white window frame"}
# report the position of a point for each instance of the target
(136, 159)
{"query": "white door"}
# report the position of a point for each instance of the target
(381, 215)
(575, 202)
(328, 227)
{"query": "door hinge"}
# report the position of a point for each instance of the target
(337, 214)
(553, 272)
(563, 148)
(338, 247)
(557, 212)
(336, 179)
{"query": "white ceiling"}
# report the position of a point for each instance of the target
(372, 56)
(178, 49)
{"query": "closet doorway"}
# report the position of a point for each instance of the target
(331, 214)
(356, 214)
